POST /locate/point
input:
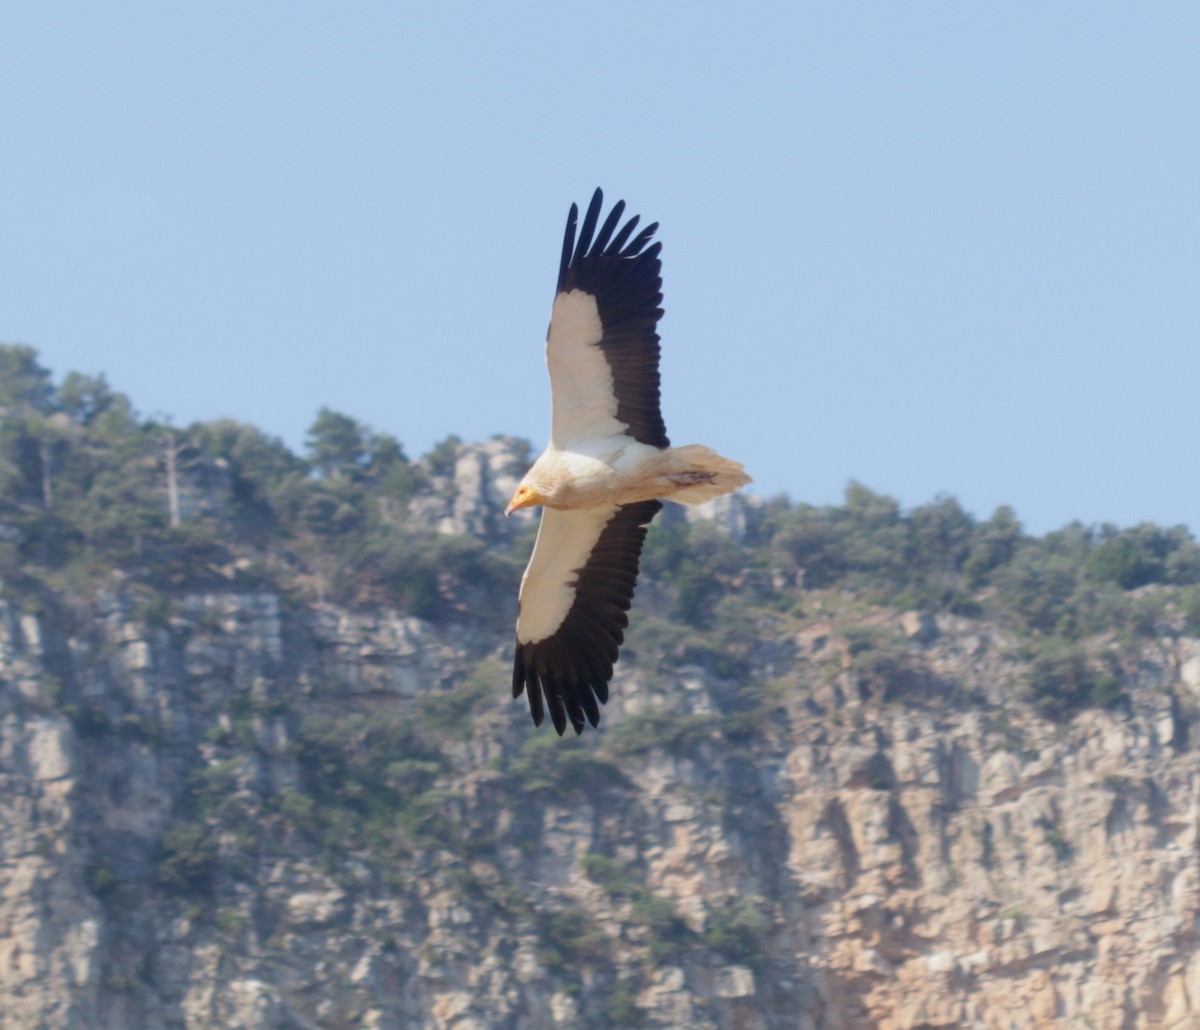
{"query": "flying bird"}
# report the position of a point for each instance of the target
(606, 470)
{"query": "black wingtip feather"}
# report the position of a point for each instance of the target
(618, 241)
(640, 240)
(589, 227)
(610, 223)
(558, 715)
(568, 247)
(568, 672)
(590, 709)
(623, 273)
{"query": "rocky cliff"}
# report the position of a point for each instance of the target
(235, 807)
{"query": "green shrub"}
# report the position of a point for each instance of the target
(101, 881)
(1063, 678)
(571, 938)
(1144, 554)
(449, 714)
(548, 767)
(669, 931)
(615, 877)
(883, 666)
(189, 859)
(653, 729)
(738, 931)
(621, 1008)
(369, 782)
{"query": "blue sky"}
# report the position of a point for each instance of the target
(934, 248)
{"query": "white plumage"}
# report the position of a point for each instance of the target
(608, 464)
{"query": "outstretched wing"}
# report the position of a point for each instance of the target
(574, 598)
(602, 348)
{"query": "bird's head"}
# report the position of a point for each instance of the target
(525, 497)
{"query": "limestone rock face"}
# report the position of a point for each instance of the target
(920, 863)
(469, 493)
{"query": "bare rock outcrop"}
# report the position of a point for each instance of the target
(469, 487)
(945, 858)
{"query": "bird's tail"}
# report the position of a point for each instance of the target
(704, 474)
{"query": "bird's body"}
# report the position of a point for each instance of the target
(618, 470)
(608, 465)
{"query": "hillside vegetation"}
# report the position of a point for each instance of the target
(89, 488)
(264, 746)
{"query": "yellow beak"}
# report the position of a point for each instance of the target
(525, 497)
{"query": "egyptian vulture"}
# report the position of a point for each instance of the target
(605, 471)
